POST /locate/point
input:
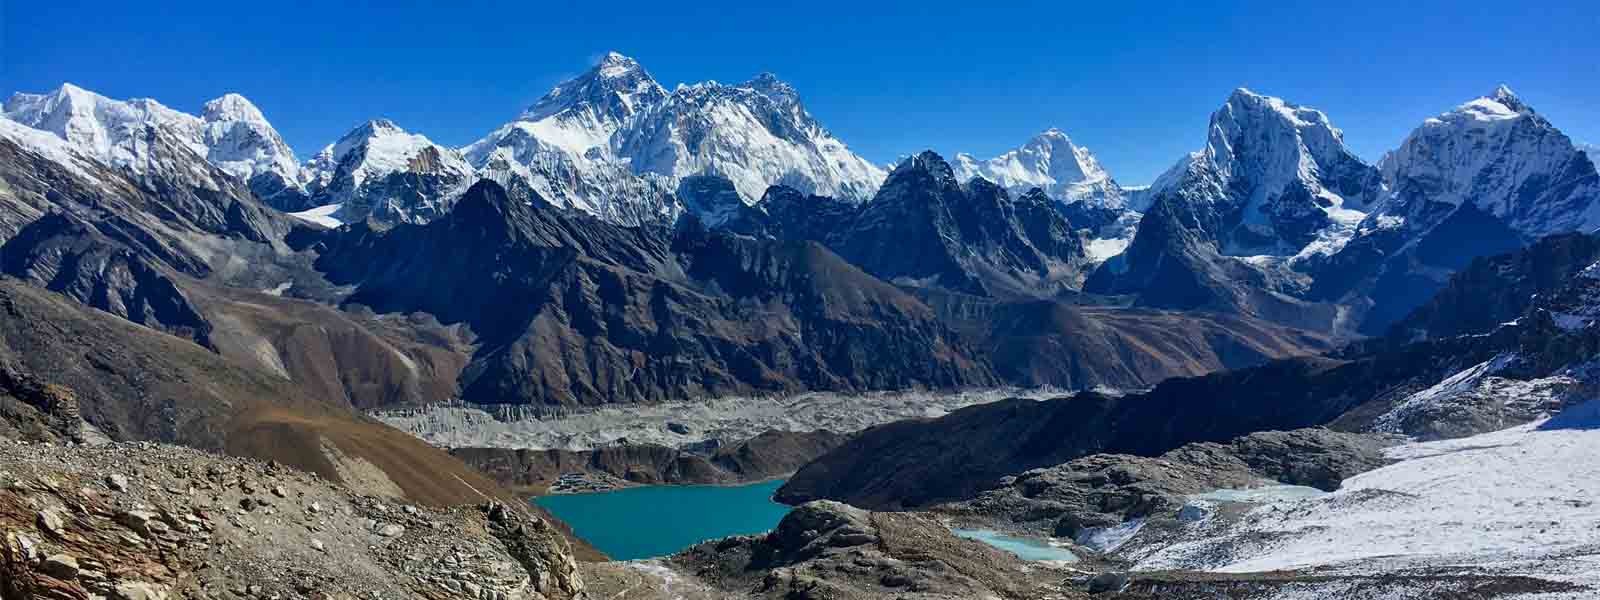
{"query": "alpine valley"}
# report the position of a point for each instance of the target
(1278, 371)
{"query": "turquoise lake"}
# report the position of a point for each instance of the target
(646, 522)
(1023, 548)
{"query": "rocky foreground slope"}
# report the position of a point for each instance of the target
(149, 522)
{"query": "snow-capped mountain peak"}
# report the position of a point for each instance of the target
(100, 127)
(241, 142)
(599, 100)
(232, 107)
(379, 147)
(1052, 162)
(1499, 155)
(1277, 176)
(380, 170)
(1272, 141)
(756, 134)
(231, 132)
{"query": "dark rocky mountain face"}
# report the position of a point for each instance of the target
(570, 309)
(925, 229)
(792, 215)
(1494, 290)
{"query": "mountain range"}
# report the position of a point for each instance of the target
(1275, 220)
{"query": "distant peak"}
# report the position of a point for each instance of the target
(1504, 95)
(231, 107)
(926, 161)
(765, 78)
(73, 93)
(1054, 137)
(374, 128)
(1244, 93)
(615, 64)
(769, 85)
(67, 88)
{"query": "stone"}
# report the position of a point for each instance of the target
(60, 566)
(1194, 512)
(52, 522)
(117, 483)
(143, 522)
(138, 590)
(392, 530)
(317, 545)
(1108, 582)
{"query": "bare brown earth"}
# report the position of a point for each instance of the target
(139, 384)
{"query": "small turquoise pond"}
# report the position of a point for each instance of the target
(646, 522)
(1024, 548)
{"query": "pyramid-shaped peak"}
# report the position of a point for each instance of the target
(615, 64)
(232, 107)
(1504, 95)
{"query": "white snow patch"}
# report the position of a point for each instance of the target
(1521, 494)
(321, 215)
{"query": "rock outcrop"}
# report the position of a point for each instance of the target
(1104, 490)
(830, 550)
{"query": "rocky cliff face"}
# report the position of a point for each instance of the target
(1499, 289)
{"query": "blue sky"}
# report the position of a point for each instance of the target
(1133, 81)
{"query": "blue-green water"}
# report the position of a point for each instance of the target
(645, 522)
(1024, 548)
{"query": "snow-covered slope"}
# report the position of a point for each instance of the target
(1514, 501)
(1050, 161)
(1592, 150)
(1277, 177)
(49, 146)
(382, 171)
(1497, 155)
(560, 146)
(756, 134)
(231, 133)
(614, 143)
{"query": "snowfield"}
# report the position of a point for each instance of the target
(1516, 501)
